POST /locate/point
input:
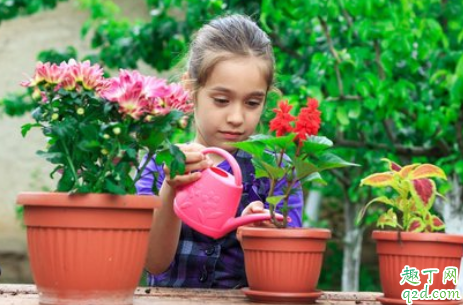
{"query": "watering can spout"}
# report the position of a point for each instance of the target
(233, 223)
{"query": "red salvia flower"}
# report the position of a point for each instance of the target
(308, 121)
(281, 122)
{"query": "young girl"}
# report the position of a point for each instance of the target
(230, 71)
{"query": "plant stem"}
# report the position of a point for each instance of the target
(286, 198)
(284, 222)
(71, 165)
(100, 180)
(280, 160)
(142, 168)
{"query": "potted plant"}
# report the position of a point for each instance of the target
(414, 245)
(283, 264)
(87, 241)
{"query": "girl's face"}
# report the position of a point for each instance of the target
(229, 105)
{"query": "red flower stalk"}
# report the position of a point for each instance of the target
(308, 121)
(281, 122)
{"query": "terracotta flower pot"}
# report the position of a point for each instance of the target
(418, 250)
(87, 249)
(283, 264)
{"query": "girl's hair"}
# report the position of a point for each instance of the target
(224, 38)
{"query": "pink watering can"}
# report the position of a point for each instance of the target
(209, 204)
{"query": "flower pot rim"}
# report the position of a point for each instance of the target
(318, 233)
(88, 200)
(417, 236)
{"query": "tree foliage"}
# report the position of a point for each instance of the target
(13, 8)
(389, 74)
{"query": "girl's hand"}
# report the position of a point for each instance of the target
(195, 161)
(258, 207)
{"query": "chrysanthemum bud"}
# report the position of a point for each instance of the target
(80, 111)
(106, 136)
(36, 94)
(116, 130)
(54, 116)
(104, 151)
(183, 122)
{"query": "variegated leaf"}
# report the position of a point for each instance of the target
(423, 192)
(382, 199)
(392, 165)
(388, 219)
(436, 223)
(416, 225)
(406, 170)
(378, 180)
(427, 171)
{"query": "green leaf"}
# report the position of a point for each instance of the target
(85, 28)
(314, 144)
(152, 139)
(67, 181)
(274, 172)
(459, 68)
(254, 148)
(362, 89)
(329, 161)
(260, 171)
(274, 200)
(65, 129)
(87, 145)
(26, 127)
(435, 78)
(285, 142)
(174, 158)
(313, 178)
(114, 188)
(342, 116)
(355, 110)
(53, 157)
(304, 168)
(131, 153)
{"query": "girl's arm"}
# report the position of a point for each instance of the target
(164, 233)
(166, 226)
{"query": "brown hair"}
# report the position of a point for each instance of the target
(224, 38)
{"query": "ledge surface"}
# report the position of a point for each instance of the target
(14, 294)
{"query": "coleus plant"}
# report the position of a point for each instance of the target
(416, 194)
(294, 155)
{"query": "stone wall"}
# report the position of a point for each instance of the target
(20, 169)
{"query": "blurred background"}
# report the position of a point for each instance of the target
(388, 75)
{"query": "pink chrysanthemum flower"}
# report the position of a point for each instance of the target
(126, 90)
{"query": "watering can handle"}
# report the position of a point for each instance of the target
(231, 160)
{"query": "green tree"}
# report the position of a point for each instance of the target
(10, 9)
(389, 75)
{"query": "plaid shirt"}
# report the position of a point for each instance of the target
(204, 262)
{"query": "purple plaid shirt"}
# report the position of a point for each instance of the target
(204, 262)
